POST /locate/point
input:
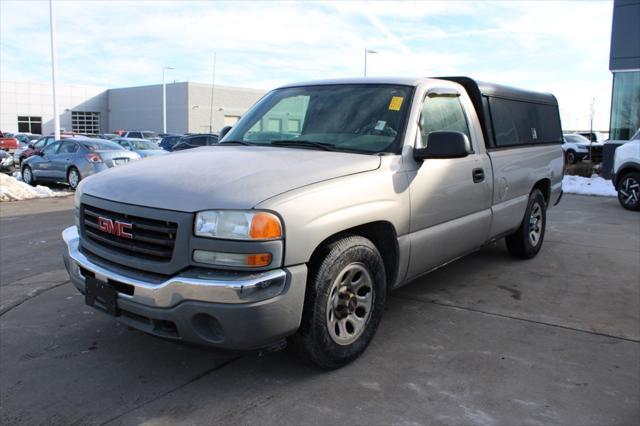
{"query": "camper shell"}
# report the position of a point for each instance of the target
(513, 117)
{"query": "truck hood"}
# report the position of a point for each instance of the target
(222, 177)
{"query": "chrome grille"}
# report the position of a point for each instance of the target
(150, 238)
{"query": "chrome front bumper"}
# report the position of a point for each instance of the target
(233, 310)
(200, 285)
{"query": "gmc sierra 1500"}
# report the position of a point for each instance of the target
(321, 199)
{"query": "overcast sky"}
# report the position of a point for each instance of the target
(560, 47)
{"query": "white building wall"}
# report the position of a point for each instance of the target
(21, 98)
(228, 103)
(140, 108)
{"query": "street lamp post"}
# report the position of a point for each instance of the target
(366, 51)
(56, 117)
(164, 100)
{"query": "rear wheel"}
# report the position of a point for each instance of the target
(629, 191)
(526, 242)
(344, 303)
(73, 178)
(27, 176)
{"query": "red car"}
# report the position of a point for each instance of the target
(8, 144)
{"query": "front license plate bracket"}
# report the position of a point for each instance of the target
(101, 295)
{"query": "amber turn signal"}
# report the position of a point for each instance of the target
(265, 226)
(257, 260)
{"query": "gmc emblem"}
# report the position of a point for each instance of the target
(113, 227)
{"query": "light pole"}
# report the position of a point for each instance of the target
(164, 100)
(213, 89)
(56, 117)
(366, 51)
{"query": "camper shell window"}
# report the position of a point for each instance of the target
(512, 117)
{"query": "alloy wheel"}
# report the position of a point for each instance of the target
(26, 175)
(74, 178)
(349, 304)
(630, 190)
(535, 224)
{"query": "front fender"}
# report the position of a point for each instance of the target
(314, 213)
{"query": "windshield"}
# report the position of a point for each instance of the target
(366, 118)
(143, 145)
(149, 135)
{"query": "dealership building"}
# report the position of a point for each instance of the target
(624, 63)
(191, 107)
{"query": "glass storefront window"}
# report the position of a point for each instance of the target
(625, 105)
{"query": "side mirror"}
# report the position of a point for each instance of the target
(31, 146)
(40, 153)
(444, 144)
(223, 132)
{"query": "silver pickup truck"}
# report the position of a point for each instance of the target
(319, 201)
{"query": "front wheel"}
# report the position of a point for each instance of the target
(27, 176)
(526, 242)
(571, 157)
(344, 303)
(629, 191)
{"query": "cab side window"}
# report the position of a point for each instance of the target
(68, 147)
(51, 148)
(442, 113)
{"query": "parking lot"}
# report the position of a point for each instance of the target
(485, 340)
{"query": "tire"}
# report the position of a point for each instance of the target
(73, 178)
(571, 157)
(344, 302)
(629, 191)
(526, 242)
(27, 176)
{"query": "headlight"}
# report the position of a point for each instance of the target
(78, 195)
(7, 161)
(238, 225)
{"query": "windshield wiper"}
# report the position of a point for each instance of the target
(295, 142)
(238, 142)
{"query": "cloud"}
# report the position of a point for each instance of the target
(554, 46)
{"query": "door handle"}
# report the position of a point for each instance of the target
(478, 175)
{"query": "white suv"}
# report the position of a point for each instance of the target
(626, 173)
(575, 147)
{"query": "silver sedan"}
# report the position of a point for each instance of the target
(71, 160)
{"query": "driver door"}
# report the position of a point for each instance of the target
(450, 197)
(43, 166)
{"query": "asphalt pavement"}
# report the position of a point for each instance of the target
(486, 340)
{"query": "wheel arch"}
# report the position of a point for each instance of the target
(381, 233)
(624, 169)
(544, 185)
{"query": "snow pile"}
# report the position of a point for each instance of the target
(11, 189)
(588, 186)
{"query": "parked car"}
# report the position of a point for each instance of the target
(195, 141)
(142, 147)
(23, 153)
(8, 143)
(593, 136)
(575, 147)
(168, 142)
(26, 138)
(6, 163)
(107, 136)
(141, 134)
(73, 159)
(254, 241)
(626, 174)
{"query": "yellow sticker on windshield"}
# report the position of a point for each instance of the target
(396, 103)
